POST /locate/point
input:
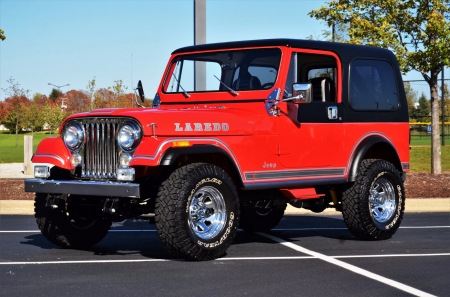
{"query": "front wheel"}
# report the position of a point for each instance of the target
(373, 207)
(64, 228)
(197, 212)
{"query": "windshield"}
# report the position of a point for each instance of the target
(238, 70)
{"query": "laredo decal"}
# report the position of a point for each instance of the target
(202, 127)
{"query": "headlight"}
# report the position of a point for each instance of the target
(129, 135)
(73, 136)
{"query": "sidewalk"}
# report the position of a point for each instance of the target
(26, 207)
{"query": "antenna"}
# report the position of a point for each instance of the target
(132, 70)
(132, 76)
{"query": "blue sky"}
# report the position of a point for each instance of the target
(72, 41)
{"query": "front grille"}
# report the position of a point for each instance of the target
(100, 154)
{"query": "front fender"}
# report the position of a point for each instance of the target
(53, 150)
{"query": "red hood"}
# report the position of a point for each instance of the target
(185, 122)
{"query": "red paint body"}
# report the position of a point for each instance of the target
(262, 148)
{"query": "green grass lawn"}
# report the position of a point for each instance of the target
(420, 158)
(420, 155)
(8, 151)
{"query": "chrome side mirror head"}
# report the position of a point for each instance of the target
(301, 95)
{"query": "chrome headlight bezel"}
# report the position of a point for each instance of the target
(129, 136)
(73, 135)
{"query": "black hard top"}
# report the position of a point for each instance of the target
(344, 50)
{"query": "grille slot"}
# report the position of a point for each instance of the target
(101, 151)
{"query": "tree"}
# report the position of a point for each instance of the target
(446, 103)
(339, 34)
(423, 110)
(118, 89)
(77, 101)
(53, 115)
(16, 94)
(30, 117)
(91, 87)
(54, 94)
(411, 99)
(417, 31)
(2, 35)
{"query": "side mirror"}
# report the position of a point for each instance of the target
(301, 93)
(141, 91)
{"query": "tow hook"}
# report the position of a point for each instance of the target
(52, 201)
(110, 206)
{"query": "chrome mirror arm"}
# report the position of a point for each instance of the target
(136, 99)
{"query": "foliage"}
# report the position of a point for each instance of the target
(91, 87)
(53, 115)
(77, 101)
(446, 102)
(30, 117)
(340, 34)
(2, 35)
(54, 94)
(411, 98)
(417, 31)
(118, 91)
(423, 110)
(17, 95)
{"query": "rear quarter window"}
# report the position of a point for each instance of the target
(373, 85)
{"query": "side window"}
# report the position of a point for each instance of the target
(318, 70)
(372, 85)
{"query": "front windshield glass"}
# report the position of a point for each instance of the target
(239, 70)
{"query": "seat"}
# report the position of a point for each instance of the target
(247, 82)
(322, 89)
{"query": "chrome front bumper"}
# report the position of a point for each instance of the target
(88, 188)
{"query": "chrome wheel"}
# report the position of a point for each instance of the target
(207, 212)
(382, 200)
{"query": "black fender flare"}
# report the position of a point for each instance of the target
(171, 154)
(361, 151)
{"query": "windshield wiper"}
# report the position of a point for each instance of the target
(185, 93)
(230, 89)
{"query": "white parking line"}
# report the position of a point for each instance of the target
(222, 259)
(347, 266)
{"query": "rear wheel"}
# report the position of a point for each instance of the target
(65, 229)
(373, 207)
(197, 212)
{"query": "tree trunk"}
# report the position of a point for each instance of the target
(435, 137)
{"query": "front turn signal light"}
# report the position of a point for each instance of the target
(180, 143)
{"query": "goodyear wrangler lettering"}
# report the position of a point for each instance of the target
(201, 127)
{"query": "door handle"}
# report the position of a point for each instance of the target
(332, 112)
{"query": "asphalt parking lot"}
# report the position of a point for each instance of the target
(307, 255)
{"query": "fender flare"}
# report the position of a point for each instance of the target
(361, 151)
(171, 154)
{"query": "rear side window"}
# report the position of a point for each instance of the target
(373, 85)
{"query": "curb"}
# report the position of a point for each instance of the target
(26, 207)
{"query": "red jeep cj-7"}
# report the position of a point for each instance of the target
(266, 122)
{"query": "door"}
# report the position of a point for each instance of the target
(312, 135)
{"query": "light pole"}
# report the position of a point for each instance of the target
(59, 90)
(59, 87)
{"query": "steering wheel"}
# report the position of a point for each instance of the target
(267, 85)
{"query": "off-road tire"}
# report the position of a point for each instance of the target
(256, 219)
(184, 231)
(66, 232)
(375, 216)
